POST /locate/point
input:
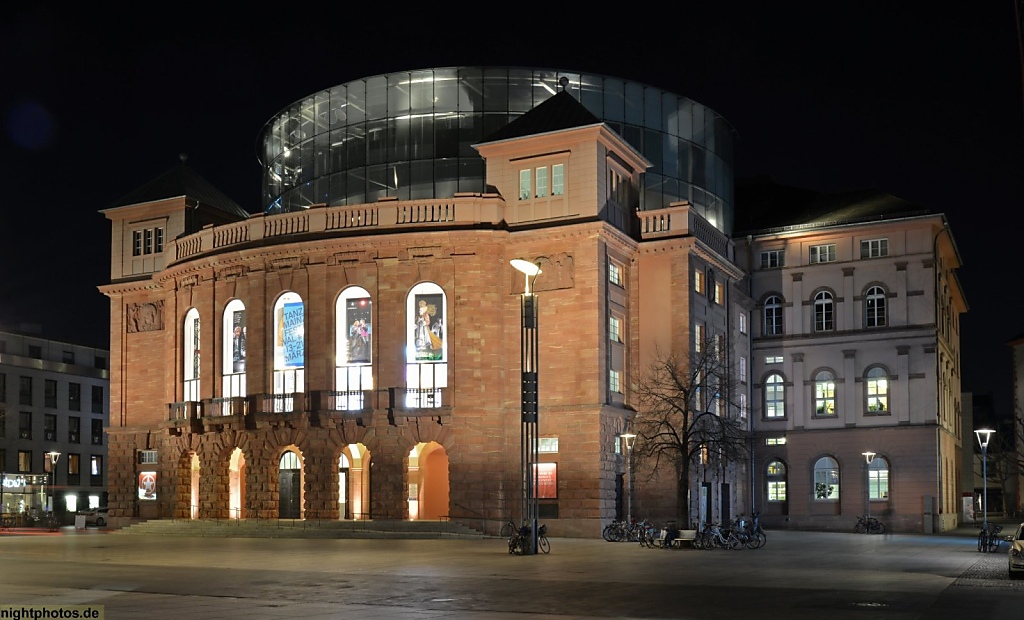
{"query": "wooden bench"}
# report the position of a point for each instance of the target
(684, 538)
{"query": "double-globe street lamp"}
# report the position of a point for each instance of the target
(52, 458)
(529, 439)
(984, 435)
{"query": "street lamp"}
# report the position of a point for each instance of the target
(628, 438)
(529, 440)
(53, 457)
(868, 457)
(984, 435)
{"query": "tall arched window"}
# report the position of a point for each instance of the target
(234, 331)
(772, 316)
(878, 479)
(426, 370)
(826, 479)
(824, 312)
(877, 390)
(825, 394)
(190, 356)
(874, 307)
(774, 396)
(353, 373)
(775, 475)
(289, 348)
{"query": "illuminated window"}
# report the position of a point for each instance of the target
(426, 370)
(874, 307)
(775, 441)
(825, 394)
(823, 253)
(190, 357)
(743, 322)
(877, 388)
(557, 179)
(289, 348)
(775, 475)
(698, 281)
(772, 316)
(743, 369)
(773, 259)
(719, 297)
(874, 248)
(95, 470)
(353, 374)
(547, 445)
(878, 479)
(824, 312)
(24, 461)
(774, 396)
(698, 337)
(235, 334)
(826, 479)
(773, 359)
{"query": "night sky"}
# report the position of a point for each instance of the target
(912, 101)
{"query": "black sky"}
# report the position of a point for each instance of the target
(920, 102)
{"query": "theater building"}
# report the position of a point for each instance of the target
(353, 350)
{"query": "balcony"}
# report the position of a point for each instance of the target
(381, 217)
(410, 403)
(183, 415)
(680, 220)
(340, 406)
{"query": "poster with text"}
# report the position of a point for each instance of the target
(293, 335)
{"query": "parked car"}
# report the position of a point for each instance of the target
(1017, 553)
(95, 516)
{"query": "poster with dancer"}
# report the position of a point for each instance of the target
(238, 341)
(429, 332)
(358, 317)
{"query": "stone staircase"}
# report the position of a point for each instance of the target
(289, 528)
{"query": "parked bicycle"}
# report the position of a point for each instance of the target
(869, 525)
(988, 539)
(519, 542)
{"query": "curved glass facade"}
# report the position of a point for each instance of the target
(410, 135)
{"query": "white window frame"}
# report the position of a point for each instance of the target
(614, 329)
(773, 259)
(824, 253)
(824, 312)
(771, 324)
(875, 307)
(525, 184)
(775, 396)
(615, 273)
(874, 248)
(615, 381)
(743, 369)
(825, 394)
(743, 322)
(541, 182)
(698, 281)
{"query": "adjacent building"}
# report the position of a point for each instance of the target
(53, 412)
(353, 351)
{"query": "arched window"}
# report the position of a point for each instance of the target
(824, 312)
(353, 373)
(234, 331)
(874, 307)
(190, 356)
(774, 396)
(826, 479)
(775, 475)
(289, 347)
(878, 479)
(825, 394)
(772, 316)
(426, 370)
(877, 390)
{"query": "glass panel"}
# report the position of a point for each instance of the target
(339, 106)
(520, 90)
(421, 92)
(398, 94)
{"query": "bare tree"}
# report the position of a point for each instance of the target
(687, 416)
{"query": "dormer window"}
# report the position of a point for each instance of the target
(148, 241)
(542, 181)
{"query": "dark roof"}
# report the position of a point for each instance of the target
(762, 205)
(181, 181)
(554, 114)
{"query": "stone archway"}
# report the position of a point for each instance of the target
(428, 482)
(236, 484)
(290, 485)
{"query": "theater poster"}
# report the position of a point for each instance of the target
(429, 332)
(547, 480)
(358, 314)
(293, 335)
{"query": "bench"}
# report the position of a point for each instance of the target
(684, 538)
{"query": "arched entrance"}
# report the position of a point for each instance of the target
(236, 485)
(344, 507)
(428, 482)
(193, 508)
(290, 486)
(354, 482)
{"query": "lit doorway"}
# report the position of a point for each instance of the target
(193, 508)
(428, 482)
(344, 508)
(236, 485)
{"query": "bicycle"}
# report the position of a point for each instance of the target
(507, 530)
(869, 525)
(519, 542)
(988, 539)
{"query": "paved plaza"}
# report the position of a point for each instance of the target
(797, 575)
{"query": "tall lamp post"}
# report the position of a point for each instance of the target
(53, 458)
(984, 435)
(868, 457)
(628, 438)
(529, 440)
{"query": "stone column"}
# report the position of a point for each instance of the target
(850, 400)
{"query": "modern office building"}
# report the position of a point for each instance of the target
(354, 350)
(53, 411)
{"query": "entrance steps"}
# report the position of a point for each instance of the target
(297, 528)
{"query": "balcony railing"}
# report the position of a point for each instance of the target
(280, 403)
(465, 209)
(186, 410)
(680, 220)
(228, 406)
